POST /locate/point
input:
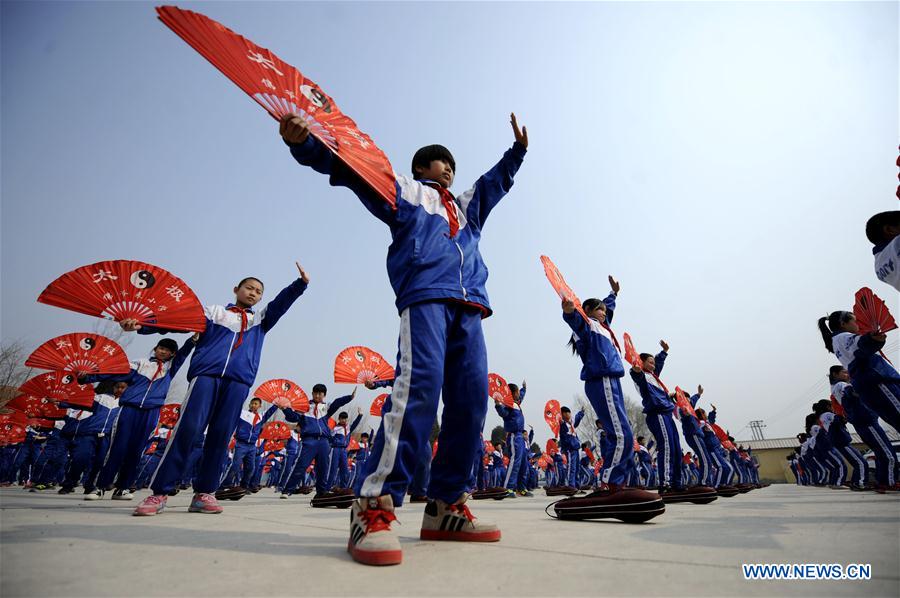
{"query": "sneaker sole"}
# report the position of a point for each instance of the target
(379, 559)
(204, 511)
(448, 536)
(148, 514)
(121, 498)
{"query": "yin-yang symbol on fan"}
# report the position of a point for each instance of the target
(285, 386)
(316, 97)
(360, 357)
(67, 379)
(87, 343)
(143, 279)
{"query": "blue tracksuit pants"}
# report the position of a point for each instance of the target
(668, 449)
(703, 457)
(81, 456)
(338, 473)
(884, 399)
(128, 439)
(441, 353)
(286, 469)
(617, 445)
(318, 448)
(212, 402)
(885, 459)
(515, 473)
(725, 473)
(243, 466)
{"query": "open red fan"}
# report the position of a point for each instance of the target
(275, 431)
(683, 402)
(552, 415)
(720, 433)
(125, 289)
(358, 365)
(353, 445)
(378, 405)
(14, 418)
(169, 413)
(282, 388)
(560, 286)
(24, 404)
(871, 313)
(59, 386)
(41, 422)
(331, 423)
(281, 89)
(499, 389)
(488, 446)
(273, 446)
(631, 355)
(12, 433)
(82, 353)
(552, 446)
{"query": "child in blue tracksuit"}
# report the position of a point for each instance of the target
(291, 450)
(316, 440)
(84, 431)
(693, 436)
(244, 464)
(865, 421)
(597, 347)
(514, 426)
(872, 376)
(220, 374)
(439, 277)
(718, 458)
(658, 408)
(339, 472)
(569, 444)
(148, 383)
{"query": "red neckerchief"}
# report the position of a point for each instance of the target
(655, 377)
(255, 419)
(159, 365)
(243, 312)
(449, 204)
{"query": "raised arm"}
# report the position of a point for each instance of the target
(338, 403)
(278, 306)
(181, 355)
(309, 151)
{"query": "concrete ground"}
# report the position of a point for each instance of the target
(53, 545)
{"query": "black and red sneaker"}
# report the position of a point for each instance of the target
(455, 522)
(372, 541)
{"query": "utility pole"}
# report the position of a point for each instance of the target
(756, 427)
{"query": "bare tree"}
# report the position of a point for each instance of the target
(587, 431)
(13, 372)
(112, 331)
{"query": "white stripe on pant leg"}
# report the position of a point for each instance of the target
(112, 439)
(889, 451)
(171, 442)
(392, 422)
(667, 454)
(617, 428)
(704, 471)
(861, 468)
(512, 460)
(890, 397)
(842, 468)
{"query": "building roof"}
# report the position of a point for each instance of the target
(789, 443)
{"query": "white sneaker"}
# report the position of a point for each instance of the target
(372, 541)
(122, 495)
(443, 521)
(284, 496)
(95, 495)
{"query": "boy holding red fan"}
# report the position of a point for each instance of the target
(221, 372)
(438, 275)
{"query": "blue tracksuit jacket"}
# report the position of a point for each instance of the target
(425, 262)
(315, 423)
(594, 344)
(653, 396)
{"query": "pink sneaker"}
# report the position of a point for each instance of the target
(204, 503)
(151, 506)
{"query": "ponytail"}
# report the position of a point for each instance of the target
(826, 334)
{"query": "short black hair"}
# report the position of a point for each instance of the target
(833, 372)
(342, 415)
(425, 155)
(243, 280)
(640, 439)
(875, 226)
(645, 356)
(168, 343)
(256, 399)
(565, 410)
(320, 388)
(513, 388)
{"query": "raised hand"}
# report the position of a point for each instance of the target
(521, 136)
(293, 129)
(303, 275)
(664, 345)
(614, 284)
(370, 384)
(699, 390)
(130, 325)
(568, 306)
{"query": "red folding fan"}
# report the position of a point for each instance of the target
(282, 388)
(871, 313)
(552, 446)
(59, 386)
(272, 446)
(631, 355)
(281, 89)
(169, 413)
(353, 445)
(720, 433)
(378, 405)
(636, 446)
(331, 423)
(499, 389)
(125, 289)
(683, 402)
(82, 353)
(552, 415)
(358, 365)
(275, 431)
(488, 446)
(26, 405)
(50, 410)
(16, 418)
(40, 422)
(560, 286)
(12, 433)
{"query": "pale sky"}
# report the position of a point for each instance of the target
(719, 159)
